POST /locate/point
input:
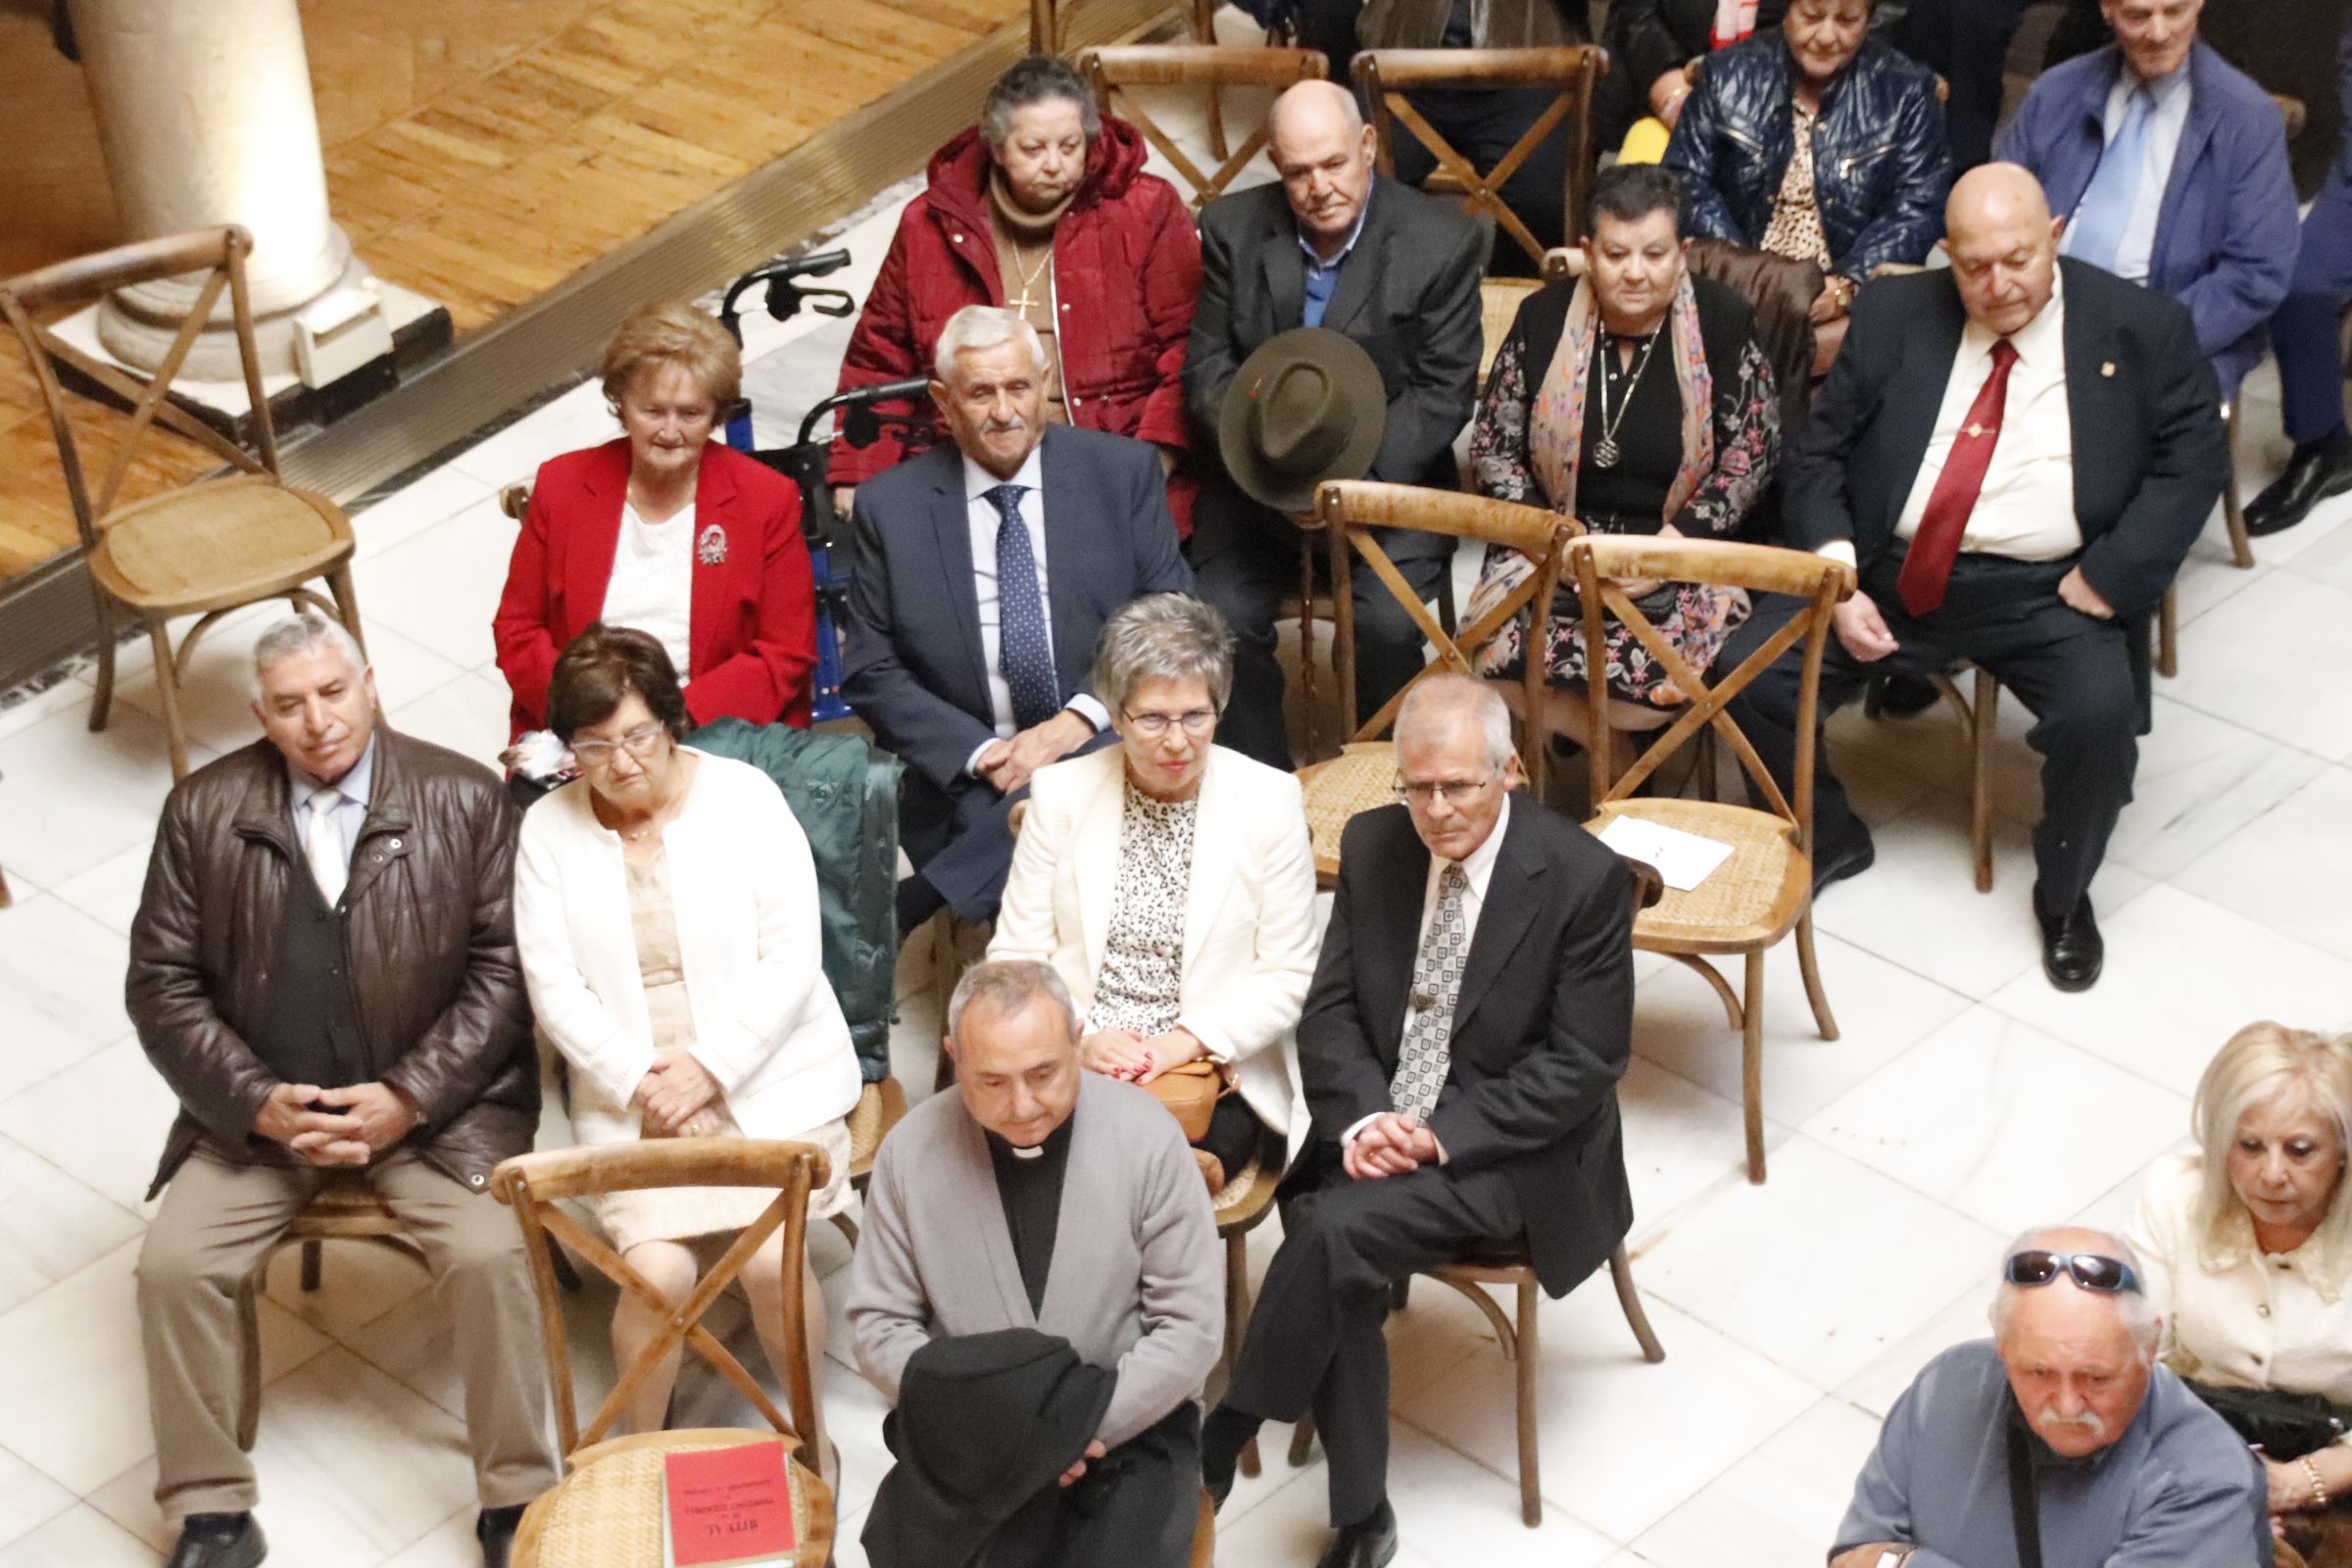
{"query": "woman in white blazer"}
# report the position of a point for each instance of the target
(666, 908)
(1171, 884)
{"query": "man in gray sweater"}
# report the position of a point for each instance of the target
(1042, 1197)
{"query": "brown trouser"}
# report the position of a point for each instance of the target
(218, 1222)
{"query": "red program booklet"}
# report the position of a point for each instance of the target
(728, 1507)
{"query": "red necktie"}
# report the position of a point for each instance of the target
(1936, 545)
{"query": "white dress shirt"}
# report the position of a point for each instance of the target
(350, 813)
(2234, 1314)
(652, 588)
(983, 518)
(2166, 121)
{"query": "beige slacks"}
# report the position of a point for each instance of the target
(216, 1224)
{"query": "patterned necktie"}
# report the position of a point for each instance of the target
(2105, 210)
(1928, 569)
(1437, 985)
(1024, 652)
(322, 846)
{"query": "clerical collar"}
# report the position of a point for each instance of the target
(1055, 1142)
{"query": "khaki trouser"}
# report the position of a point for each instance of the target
(216, 1224)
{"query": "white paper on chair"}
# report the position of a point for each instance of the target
(1684, 860)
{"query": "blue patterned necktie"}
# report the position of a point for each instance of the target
(1024, 651)
(1427, 1049)
(2105, 211)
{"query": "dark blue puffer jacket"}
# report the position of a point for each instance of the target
(1880, 165)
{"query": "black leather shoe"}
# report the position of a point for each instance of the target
(2318, 470)
(217, 1541)
(1842, 861)
(2072, 949)
(1898, 697)
(495, 1529)
(1370, 1543)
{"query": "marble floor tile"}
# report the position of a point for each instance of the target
(2202, 779)
(80, 1537)
(468, 715)
(1731, 1263)
(102, 1122)
(29, 1498)
(1606, 1415)
(440, 587)
(52, 1226)
(1681, 1139)
(61, 987)
(578, 419)
(2183, 975)
(2323, 527)
(408, 511)
(1882, 1010)
(110, 890)
(1781, 1503)
(2289, 866)
(71, 799)
(2230, 663)
(1875, 1387)
(359, 1281)
(2326, 558)
(2210, 578)
(451, 1544)
(1933, 748)
(1918, 906)
(351, 1467)
(1993, 1158)
(68, 693)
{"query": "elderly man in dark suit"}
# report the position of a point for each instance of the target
(984, 573)
(1398, 273)
(1460, 1052)
(2015, 454)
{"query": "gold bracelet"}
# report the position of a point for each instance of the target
(2319, 1488)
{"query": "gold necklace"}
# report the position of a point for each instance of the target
(1024, 302)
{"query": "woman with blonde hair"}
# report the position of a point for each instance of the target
(668, 532)
(2247, 1245)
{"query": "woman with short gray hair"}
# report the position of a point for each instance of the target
(1170, 884)
(1043, 209)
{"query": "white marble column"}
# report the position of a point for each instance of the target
(205, 114)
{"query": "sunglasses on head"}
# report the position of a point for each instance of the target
(2093, 1271)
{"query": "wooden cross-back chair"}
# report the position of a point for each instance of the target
(609, 1499)
(1364, 773)
(1385, 77)
(205, 549)
(1116, 73)
(1765, 889)
(1050, 34)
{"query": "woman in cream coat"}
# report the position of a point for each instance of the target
(665, 907)
(1171, 885)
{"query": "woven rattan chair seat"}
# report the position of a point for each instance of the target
(1754, 896)
(608, 1512)
(217, 544)
(879, 1107)
(1362, 776)
(1245, 1196)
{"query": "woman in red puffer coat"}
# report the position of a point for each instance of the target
(1043, 206)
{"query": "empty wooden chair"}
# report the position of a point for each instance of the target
(205, 549)
(1386, 76)
(1116, 73)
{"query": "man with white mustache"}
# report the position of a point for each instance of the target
(2059, 1443)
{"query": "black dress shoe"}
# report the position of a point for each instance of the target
(1837, 864)
(217, 1541)
(2318, 470)
(1369, 1542)
(2072, 949)
(495, 1529)
(1898, 697)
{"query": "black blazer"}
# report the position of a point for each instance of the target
(1407, 293)
(2150, 457)
(911, 663)
(1541, 1032)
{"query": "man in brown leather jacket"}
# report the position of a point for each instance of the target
(324, 970)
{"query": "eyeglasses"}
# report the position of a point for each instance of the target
(639, 741)
(1152, 726)
(1457, 790)
(2093, 1271)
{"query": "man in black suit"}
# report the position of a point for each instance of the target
(984, 573)
(1398, 273)
(1460, 1052)
(2015, 454)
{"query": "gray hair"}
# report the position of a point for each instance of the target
(298, 633)
(1006, 986)
(1449, 697)
(1168, 637)
(983, 327)
(2139, 1316)
(1038, 79)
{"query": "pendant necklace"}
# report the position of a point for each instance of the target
(1023, 303)
(1605, 451)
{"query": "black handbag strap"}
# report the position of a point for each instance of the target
(2024, 1507)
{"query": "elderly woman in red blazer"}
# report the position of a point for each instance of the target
(1044, 207)
(671, 533)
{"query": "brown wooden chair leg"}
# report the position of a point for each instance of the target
(347, 603)
(1530, 1480)
(1817, 995)
(2168, 634)
(311, 1264)
(2234, 515)
(104, 701)
(1237, 1319)
(1302, 1442)
(1983, 722)
(1307, 647)
(166, 691)
(1621, 1275)
(5, 899)
(1751, 1063)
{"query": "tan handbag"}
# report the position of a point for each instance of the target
(1191, 1093)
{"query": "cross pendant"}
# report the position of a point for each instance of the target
(1023, 303)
